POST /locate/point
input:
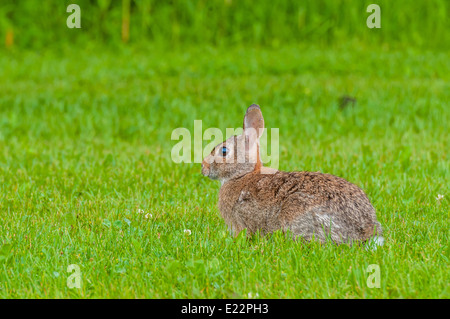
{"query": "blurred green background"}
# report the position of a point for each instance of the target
(35, 24)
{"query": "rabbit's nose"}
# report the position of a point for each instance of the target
(205, 168)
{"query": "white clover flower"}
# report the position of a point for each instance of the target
(439, 197)
(140, 211)
(250, 295)
(187, 232)
(148, 215)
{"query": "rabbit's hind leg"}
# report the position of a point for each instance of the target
(321, 225)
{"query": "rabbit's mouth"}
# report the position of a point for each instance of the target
(208, 172)
(205, 169)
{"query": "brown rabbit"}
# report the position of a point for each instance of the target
(309, 204)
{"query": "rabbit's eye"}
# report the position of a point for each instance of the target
(224, 151)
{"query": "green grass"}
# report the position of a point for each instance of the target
(422, 23)
(85, 143)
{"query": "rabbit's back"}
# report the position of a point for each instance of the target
(307, 203)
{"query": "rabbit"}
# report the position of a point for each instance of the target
(311, 205)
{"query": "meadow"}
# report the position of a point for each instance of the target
(87, 178)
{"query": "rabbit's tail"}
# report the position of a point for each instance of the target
(374, 243)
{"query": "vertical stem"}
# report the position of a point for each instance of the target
(125, 20)
(9, 39)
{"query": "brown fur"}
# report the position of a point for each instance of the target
(309, 204)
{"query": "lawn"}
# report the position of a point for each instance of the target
(86, 175)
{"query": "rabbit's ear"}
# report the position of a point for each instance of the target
(253, 122)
